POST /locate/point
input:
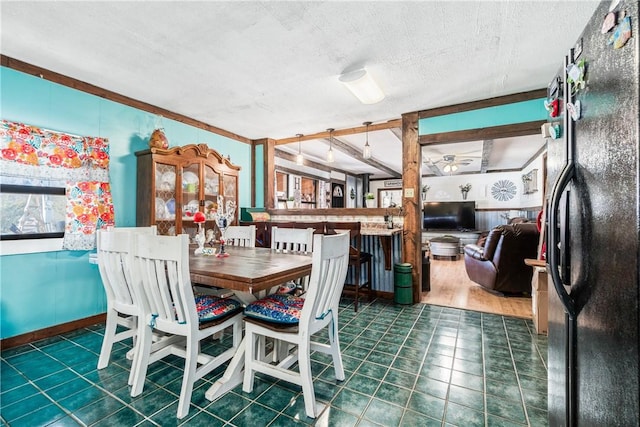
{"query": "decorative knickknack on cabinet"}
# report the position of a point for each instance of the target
(175, 183)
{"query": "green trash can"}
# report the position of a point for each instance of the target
(403, 294)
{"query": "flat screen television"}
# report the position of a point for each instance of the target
(449, 216)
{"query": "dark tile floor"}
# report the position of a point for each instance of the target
(415, 365)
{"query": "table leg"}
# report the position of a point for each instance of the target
(234, 374)
(232, 377)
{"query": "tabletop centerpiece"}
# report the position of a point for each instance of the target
(199, 219)
(223, 216)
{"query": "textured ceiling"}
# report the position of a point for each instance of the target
(270, 69)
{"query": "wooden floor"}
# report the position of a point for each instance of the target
(451, 287)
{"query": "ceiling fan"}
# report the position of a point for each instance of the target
(450, 162)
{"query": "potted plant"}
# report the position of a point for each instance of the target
(370, 200)
(465, 190)
(290, 202)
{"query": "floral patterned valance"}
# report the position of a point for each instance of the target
(34, 152)
(82, 161)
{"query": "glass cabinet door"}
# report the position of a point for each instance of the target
(211, 191)
(165, 198)
(190, 191)
(230, 183)
(191, 188)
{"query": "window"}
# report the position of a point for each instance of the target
(54, 189)
(31, 208)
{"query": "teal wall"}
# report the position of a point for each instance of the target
(259, 153)
(499, 115)
(45, 289)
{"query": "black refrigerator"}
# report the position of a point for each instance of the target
(593, 225)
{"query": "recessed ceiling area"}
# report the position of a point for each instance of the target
(482, 156)
(385, 161)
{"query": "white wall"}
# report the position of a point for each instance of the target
(447, 188)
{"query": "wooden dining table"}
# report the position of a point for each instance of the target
(246, 271)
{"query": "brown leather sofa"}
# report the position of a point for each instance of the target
(499, 265)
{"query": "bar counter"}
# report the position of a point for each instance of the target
(336, 214)
(384, 244)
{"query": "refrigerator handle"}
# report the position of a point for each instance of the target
(554, 239)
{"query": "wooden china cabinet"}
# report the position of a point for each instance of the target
(174, 183)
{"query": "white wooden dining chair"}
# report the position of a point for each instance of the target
(122, 307)
(294, 320)
(241, 235)
(152, 229)
(160, 275)
(294, 240)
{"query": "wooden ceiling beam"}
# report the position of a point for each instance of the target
(495, 132)
(292, 158)
(396, 123)
(309, 163)
(356, 154)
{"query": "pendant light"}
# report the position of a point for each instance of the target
(330, 158)
(366, 151)
(299, 158)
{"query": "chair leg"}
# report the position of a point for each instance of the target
(304, 364)
(190, 366)
(141, 359)
(334, 342)
(369, 279)
(356, 282)
(109, 338)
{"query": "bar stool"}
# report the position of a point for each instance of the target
(356, 260)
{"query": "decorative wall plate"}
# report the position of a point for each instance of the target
(503, 190)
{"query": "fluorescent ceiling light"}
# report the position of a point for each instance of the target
(362, 85)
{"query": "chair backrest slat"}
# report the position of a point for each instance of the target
(160, 267)
(328, 272)
(241, 235)
(292, 239)
(354, 229)
(113, 246)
